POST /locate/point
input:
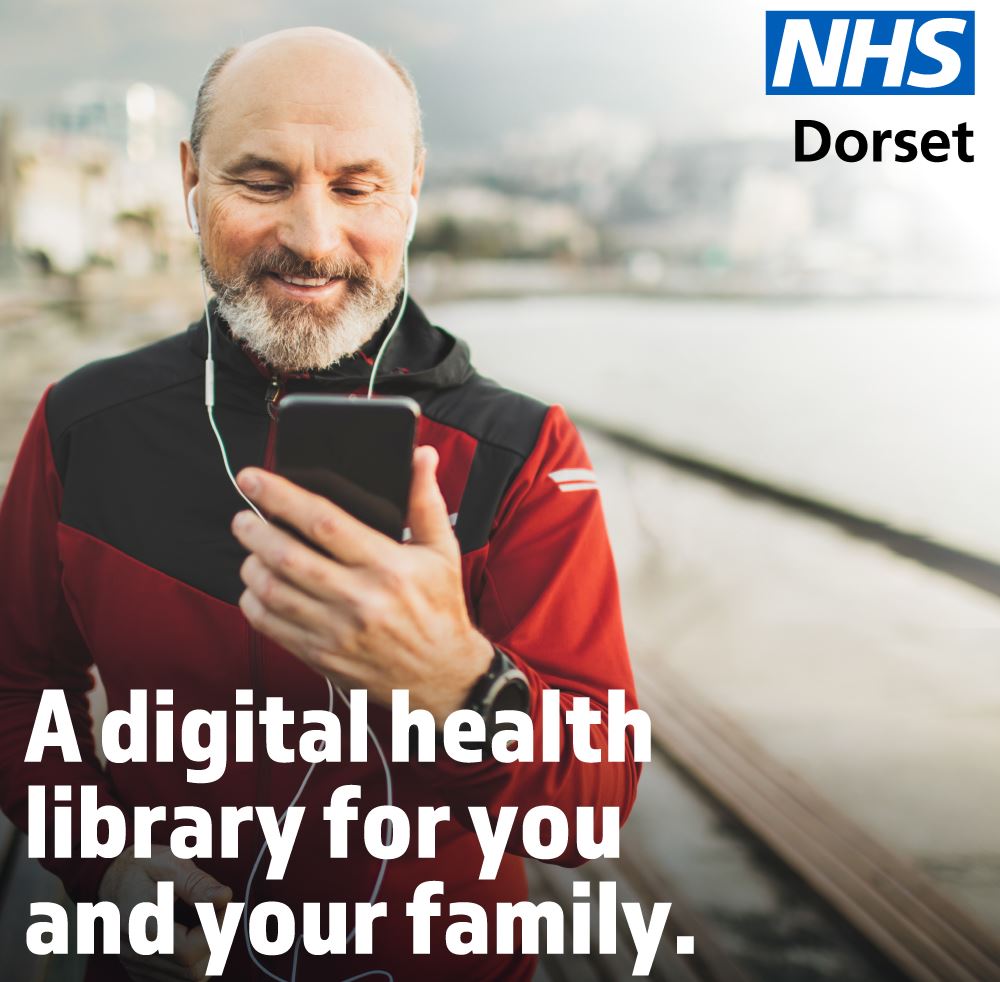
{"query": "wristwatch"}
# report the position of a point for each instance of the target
(502, 686)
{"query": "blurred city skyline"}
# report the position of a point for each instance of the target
(556, 131)
(520, 64)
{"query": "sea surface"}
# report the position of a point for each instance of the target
(888, 409)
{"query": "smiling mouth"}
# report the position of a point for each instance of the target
(304, 281)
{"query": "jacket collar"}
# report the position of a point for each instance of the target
(420, 355)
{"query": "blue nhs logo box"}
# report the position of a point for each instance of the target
(871, 52)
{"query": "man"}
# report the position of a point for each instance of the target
(120, 546)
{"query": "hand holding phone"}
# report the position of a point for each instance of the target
(355, 605)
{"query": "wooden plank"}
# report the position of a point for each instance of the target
(549, 884)
(884, 897)
(709, 961)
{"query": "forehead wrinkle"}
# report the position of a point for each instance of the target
(251, 159)
(374, 120)
(325, 146)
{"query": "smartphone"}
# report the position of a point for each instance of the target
(356, 452)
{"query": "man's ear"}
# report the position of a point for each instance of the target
(189, 168)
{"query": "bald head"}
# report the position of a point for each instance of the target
(303, 174)
(304, 61)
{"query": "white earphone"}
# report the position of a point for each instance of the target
(210, 406)
(411, 225)
(192, 214)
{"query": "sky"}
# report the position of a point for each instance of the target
(483, 68)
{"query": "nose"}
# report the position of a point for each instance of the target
(311, 225)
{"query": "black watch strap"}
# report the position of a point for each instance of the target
(502, 686)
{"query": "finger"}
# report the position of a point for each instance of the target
(290, 636)
(193, 885)
(341, 534)
(287, 558)
(303, 596)
(428, 513)
(294, 619)
(321, 654)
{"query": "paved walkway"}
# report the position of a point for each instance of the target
(875, 679)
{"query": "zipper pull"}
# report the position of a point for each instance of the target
(272, 396)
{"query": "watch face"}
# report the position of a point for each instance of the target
(513, 693)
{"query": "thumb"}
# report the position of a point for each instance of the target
(428, 513)
(195, 886)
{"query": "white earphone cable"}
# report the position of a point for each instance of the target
(376, 889)
(210, 403)
(395, 323)
(210, 407)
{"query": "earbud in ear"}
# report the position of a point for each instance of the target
(411, 225)
(192, 214)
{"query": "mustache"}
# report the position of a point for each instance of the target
(284, 262)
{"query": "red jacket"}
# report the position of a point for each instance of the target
(116, 552)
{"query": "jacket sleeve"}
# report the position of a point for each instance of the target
(41, 648)
(550, 600)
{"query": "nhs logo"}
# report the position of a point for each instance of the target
(873, 52)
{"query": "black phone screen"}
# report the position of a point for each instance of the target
(356, 452)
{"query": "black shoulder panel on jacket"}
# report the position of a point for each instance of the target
(505, 425)
(140, 466)
(120, 379)
(489, 412)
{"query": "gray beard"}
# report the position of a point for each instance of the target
(294, 337)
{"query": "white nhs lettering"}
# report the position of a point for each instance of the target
(824, 68)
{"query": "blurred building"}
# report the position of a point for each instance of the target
(487, 223)
(142, 121)
(583, 201)
(730, 216)
(100, 184)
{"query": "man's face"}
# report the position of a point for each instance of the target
(304, 184)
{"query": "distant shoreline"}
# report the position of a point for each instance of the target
(439, 280)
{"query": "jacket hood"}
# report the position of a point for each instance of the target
(419, 355)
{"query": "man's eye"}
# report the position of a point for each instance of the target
(353, 192)
(263, 187)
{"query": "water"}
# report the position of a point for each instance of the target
(888, 409)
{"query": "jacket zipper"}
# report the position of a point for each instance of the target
(271, 398)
